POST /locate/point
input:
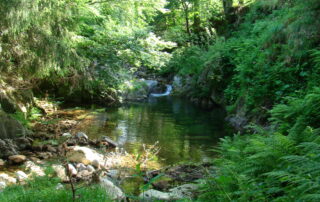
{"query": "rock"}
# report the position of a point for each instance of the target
(85, 155)
(10, 128)
(17, 159)
(114, 174)
(21, 176)
(109, 141)
(23, 143)
(51, 149)
(186, 191)
(112, 190)
(162, 183)
(7, 148)
(61, 172)
(34, 169)
(2, 163)
(81, 135)
(2, 186)
(59, 186)
(152, 195)
(66, 135)
(7, 179)
(85, 174)
(72, 170)
(90, 168)
(96, 164)
(44, 155)
(81, 167)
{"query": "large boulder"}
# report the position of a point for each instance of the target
(7, 148)
(17, 159)
(85, 155)
(112, 190)
(10, 128)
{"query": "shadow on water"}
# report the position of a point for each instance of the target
(184, 131)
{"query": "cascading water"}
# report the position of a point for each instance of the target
(168, 91)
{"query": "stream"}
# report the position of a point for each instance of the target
(184, 132)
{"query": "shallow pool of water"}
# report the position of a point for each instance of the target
(183, 131)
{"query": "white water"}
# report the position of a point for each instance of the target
(168, 91)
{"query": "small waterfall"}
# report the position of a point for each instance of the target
(168, 91)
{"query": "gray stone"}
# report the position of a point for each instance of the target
(81, 135)
(186, 191)
(112, 190)
(114, 174)
(152, 195)
(66, 135)
(90, 168)
(21, 176)
(81, 167)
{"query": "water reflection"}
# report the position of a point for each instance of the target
(184, 132)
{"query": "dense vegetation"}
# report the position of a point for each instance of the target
(261, 58)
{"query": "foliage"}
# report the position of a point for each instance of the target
(266, 167)
(44, 189)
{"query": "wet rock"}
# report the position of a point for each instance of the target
(114, 174)
(85, 155)
(7, 148)
(66, 135)
(7, 179)
(2, 163)
(34, 169)
(81, 167)
(186, 191)
(90, 168)
(3, 185)
(72, 170)
(21, 176)
(60, 172)
(112, 190)
(17, 159)
(152, 195)
(109, 141)
(81, 135)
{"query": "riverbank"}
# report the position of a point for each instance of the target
(59, 144)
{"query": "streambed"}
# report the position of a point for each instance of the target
(184, 132)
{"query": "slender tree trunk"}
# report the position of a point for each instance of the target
(227, 7)
(186, 13)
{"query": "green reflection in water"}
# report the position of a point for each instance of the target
(184, 131)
